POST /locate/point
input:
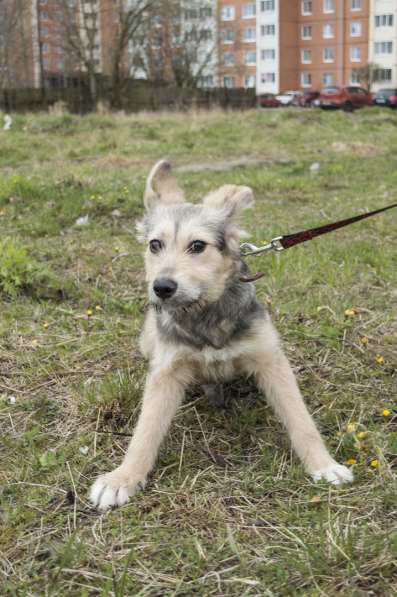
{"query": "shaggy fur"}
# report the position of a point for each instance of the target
(209, 328)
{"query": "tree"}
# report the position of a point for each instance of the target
(179, 47)
(15, 49)
(367, 74)
(130, 25)
(79, 37)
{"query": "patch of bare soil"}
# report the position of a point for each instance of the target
(226, 165)
(355, 147)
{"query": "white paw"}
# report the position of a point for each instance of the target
(115, 489)
(334, 473)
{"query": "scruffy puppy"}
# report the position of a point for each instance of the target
(205, 325)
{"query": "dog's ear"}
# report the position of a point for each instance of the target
(162, 187)
(231, 199)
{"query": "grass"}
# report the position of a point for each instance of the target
(229, 510)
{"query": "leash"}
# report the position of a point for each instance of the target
(280, 243)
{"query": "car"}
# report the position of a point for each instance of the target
(287, 97)
(268, 100)
(345, 98)
(307, 100)
(386, 97)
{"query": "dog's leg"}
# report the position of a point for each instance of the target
(163, 394)
(276, 379)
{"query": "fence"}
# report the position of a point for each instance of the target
(139, 96)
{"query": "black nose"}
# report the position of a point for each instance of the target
(164, 287)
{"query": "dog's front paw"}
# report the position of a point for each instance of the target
(115, 488)
(334, 473)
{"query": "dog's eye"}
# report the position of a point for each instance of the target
(155, 245)
(197, 246)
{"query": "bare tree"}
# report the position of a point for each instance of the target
(180, 45)
(79, 37)
(367, 74)
(130, 28)
(14, 46)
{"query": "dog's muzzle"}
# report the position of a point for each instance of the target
(164, 288)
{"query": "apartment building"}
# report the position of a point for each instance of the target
(307, 44)
(383, 43)
(237, 31)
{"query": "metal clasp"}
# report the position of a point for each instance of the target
(247, 249)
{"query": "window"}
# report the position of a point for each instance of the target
(228, 36)
(45, 48)
(328, 55)
(329, 6)
(250, 58)
(328, 31)
(355, 54)
(206, 11)
(382, 74)
(306, 32)
(43, 15)
(268, 77)
(228, 59)
(268, 54)
(228, 13)
(306, 56)
(268, 6)
(328, 79)
(249, 11)
(356, 4)
(249, 81)
(354, 77)
(228, 82)
(206, 81)
(355, 29)
(383, 47)
(44, 31)
(268, 29)
(307, 7)
(46, 63)
(384, 20)
(306, 80)
(249, 34)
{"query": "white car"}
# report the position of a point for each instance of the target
(287, 97)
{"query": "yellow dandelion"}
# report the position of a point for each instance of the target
(98, 308)
(35, 342)
(2, 212)
(89, 312)
(316, 499)
(45, 324)
(350, 312)
(375, 463)
(379, 359)
(386, 412)
(364, 340)
(362, 434)
(351, 428)
(351, 461)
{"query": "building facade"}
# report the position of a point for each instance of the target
(383, 43)
(237, 31)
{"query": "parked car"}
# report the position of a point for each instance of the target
(386, 97)
(268, 100)
(287, 97)
(307, 100)
(346, 98)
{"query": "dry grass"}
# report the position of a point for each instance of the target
(228, 510)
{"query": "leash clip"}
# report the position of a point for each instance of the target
(247, 249)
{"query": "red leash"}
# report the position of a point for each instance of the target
(280, 243)
(290, 240)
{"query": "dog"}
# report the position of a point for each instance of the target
(205, 325)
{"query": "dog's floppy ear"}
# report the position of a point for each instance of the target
(231, 199)
(161, 186)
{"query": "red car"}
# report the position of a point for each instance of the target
(268, 100)
(346, 98)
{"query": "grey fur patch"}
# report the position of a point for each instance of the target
(217, 324)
